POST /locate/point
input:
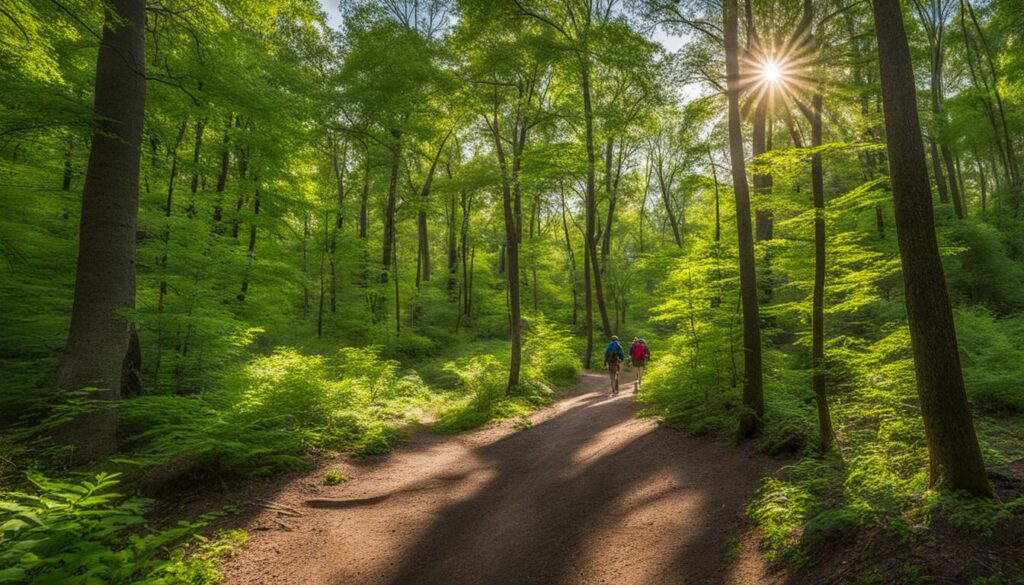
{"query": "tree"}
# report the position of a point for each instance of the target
(753, 383)
(102, 348)
(953, 450)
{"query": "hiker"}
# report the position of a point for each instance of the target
(613, 356)
(639, 354)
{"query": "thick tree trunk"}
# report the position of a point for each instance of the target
(100, 349)
(953, 450)
(753, 384)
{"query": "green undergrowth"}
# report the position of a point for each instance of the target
(482, 395)
(876, 477)
(270, 414)
(86, 532)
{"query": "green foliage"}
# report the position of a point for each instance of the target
(993, 359)
(483, 387)
(87, 533)
(335, 477)
(550, 355)
(271, 414)
(550, 363)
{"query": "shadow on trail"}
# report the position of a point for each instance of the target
(590, 489)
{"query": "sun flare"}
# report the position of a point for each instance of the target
(771, 72)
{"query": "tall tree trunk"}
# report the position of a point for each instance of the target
(421, 217)
(572, 260)
(1010, 152)
(451, 240)
(222, 177)
(320, 303)
(251, 247)
(940, 179)
(665, 186)
(200, 127)
(825, 433)
(753, 383)
(340, 166)
(953, 450)
(389, 217)
(762, 182)
(954, 185)
(68, 173)
(718, 211)
(591, 198)
(364, 199)
(589, 211)
(982, 183)
(512, 251)
(102, 347)
(611, 183)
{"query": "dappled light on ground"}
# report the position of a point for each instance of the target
(588, 494)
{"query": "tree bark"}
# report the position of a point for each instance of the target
(197, 147)
(101, 347)
(954, 186)
(572, 260)
(389, 215)
(762, 182)
(512, 252)
(421, 216)
(940, 179)
(825, 432)
(251, 247)
(753, 383)
(953, 450)
(591, 202)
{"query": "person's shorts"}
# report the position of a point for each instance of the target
(613, 366)
(639, 363)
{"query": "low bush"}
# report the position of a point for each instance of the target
(88, 533)
(270, 415)
(484, 399)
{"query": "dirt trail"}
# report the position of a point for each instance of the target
(589, 494)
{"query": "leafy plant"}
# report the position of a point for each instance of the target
(86, 532)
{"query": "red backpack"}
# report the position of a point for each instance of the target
(640, 351)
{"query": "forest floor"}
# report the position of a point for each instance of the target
(585, 492)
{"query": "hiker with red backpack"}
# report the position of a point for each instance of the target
(639, 355)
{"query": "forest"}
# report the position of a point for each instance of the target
(248, 241)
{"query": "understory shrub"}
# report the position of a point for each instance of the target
(550, 363)
(483, 389)
(271, 414)
(85, 532)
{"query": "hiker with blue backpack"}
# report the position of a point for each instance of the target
(639, 355)
(613, 357)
